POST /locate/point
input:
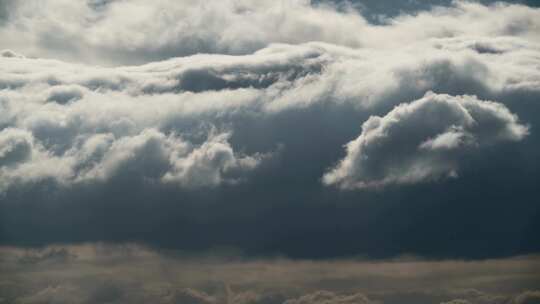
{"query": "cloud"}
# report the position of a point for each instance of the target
(423, 140)
(10, 54)
(107, 134)
(100, 157)
(99, 31)
(207, 164)
(15, 146)
(528, 297)
(57, 294)
(192, 296)
(129, 273)
(63, 106)
(477, 297)
(237, 27)
(65, 94)
(327, 297)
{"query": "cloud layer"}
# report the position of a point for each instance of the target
(126, 273)
(61, 106)
(197, 126)
(99, 30)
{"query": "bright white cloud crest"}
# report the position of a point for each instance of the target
(423, 140)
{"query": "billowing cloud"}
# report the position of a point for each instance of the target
(100, 31)
(423, 140)
(100, 157)
(61, 105)
(16, 146)
(200, 125)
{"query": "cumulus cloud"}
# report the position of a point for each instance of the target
(100, 157)
(99, 30)
(10, 54)
(15, 146)
(423, 140)
(109, 105)
(153, 31)
(77, 122)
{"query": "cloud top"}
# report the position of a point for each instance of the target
(426, 139)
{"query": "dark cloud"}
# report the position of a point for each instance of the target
(528, 297)
(378, 10)
(5, 7)
(320, 297)
(230, 150)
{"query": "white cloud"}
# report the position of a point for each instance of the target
(423, 140)
(15, 146)
(167, 28)
(62, 105)
(140, 31)
(293, 56)
(149, 155)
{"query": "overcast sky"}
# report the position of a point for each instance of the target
(281, 134)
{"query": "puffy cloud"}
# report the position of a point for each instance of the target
(100, 157)
(207, 164)
(423, 140)
(10, 54)
(65, 94)
(153, 31)
(99, 30)
(107, 139)
(281, 77)
(64, 105)
(15, 146)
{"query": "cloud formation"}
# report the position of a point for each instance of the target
(423, 140)
(100, 157)
(63, 105)
(327, 297)
(128, 273)
(99, 31)
(195, 125)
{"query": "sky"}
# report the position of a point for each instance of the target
(292, 152)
